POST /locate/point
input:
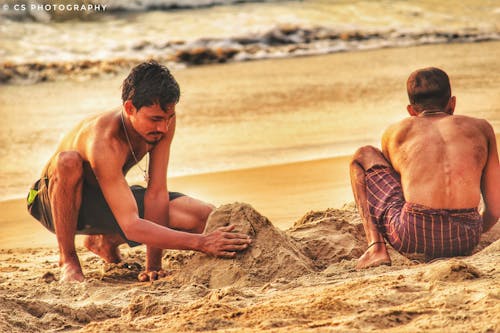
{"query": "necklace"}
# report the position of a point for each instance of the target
(144, 171)
(433, 113)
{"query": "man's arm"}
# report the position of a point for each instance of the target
(156, 200)
(386, 142)
(106, 161)
(490, 182)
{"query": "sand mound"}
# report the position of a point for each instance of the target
(271, 256)
(316, 241)
(328, 237)
(452, 270)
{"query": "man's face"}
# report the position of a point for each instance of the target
(152, 123)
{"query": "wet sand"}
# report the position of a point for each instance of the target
(298, 276)
(283, 193)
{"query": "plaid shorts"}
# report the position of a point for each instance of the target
(413, 228)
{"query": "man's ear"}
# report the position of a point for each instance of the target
(129, 107)
(450, 108)
(411, 110)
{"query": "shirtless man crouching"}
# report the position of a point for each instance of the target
(422, 192)
(83, 189)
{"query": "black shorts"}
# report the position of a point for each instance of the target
(95, 216)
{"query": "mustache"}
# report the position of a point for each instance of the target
(154, 142)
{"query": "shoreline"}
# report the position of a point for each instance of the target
(203, 174)
(278, 43)
(256, 186)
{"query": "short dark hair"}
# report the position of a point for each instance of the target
(429, 88)
(150, 83)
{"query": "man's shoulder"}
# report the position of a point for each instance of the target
(481, 125)
(100, 117)
(409, 122)
(402, 125)
(101, 131)
(471, 119)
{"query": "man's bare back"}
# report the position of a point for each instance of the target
(438, 156)
(422, 191)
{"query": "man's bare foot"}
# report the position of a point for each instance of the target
(71, 272)
(375, 255)
(105, 246)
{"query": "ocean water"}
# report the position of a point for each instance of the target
(41, 46)
(36, 45)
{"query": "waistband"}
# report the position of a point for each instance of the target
(417, 208)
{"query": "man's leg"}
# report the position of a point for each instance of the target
(65, 192)
(105, 246)
(189, 214)
(363, 159)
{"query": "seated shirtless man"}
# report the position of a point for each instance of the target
(422, 192)
(83, 189)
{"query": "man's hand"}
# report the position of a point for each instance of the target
(224, 243)
(152, 275)
(220, 243)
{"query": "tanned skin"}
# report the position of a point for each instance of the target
(445, 161)
(97, 152)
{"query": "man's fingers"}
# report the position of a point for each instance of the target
(151, 275)
(235, 247)
(237, 241)
(143, 277)
(236, 235)
(162, 273)
(226, 254)
(228, 228)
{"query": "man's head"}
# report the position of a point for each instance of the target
(429, 90)
(149, 95)
(150, 83)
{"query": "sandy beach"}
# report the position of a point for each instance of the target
(299, 274)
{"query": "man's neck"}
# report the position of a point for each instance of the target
(430, 113)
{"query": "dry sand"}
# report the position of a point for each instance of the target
(298, 275)
(301, 279)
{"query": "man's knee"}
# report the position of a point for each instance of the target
(189, 214)
(206, 210)
(366, 151)
(368, 156)
(69, 164)
(202, 215)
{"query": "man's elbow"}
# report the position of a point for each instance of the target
(159, 197)
(130, 229)
(495, 213)
(493, 206)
